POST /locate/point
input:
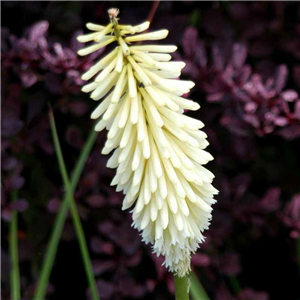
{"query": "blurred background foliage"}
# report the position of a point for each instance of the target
(244, 58)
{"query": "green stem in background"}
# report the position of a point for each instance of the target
(235, 285)
(197, 290)
(74, 212)
(181, 288)
(61, 217)
(15, 291)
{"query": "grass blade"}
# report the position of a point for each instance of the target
(15, 291)
(74, 212)
(61, 216)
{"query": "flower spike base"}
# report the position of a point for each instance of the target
(157, 150)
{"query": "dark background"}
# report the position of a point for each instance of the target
(244, 59)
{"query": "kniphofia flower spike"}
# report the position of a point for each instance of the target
(158, 151)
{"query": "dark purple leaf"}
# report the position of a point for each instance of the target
(249, 294)
(78, 108)
(106, 289)
(281, 77)
(252, 119)
(217, 97)
(280, 121)
(189, 41)
(74, 137)
(37, 34)
(96, 201)
(36, 104)
(16, 182)
(239, 54)
(218, 57)
(19, 205)
(250, 107)
(5, 265)
(200, 260)
(54, 205)
(28, 78)
(102, 266)
(229, 264)
(9, 163)
(10, 127)
(271, 200)
(6, 214)
(99, 246)
(289, 95)
(200, 55)
(296, 75)
(290, 133)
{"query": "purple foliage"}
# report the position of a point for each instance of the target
(250, 103)
(291, 216)
(249, 294)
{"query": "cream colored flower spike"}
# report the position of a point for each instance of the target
(158, 151)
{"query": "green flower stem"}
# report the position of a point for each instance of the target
(61, 216)
(15, 291)
(181, 288)
(197, 290)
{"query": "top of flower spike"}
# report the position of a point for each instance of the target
(113, 13)
(102, 35)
